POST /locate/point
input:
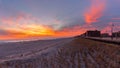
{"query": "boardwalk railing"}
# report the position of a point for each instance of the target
(104, 40)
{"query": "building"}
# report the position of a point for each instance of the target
(116, 34)
(93, 33)
(105, 35)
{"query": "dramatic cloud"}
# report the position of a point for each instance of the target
(74, 30)
(42, 19)
(27, 31)
(24, 26)
(95, 11)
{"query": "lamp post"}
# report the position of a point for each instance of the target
(112, 25)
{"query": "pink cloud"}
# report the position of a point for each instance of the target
(108, 28)
(95, 11)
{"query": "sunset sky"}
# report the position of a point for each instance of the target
(44, 19)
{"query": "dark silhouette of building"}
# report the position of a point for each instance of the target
(93, 33)
(116, 34)
(105, 35)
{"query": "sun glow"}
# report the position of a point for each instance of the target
(28, 31)
(37, 30)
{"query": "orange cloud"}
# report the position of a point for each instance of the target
(73, 31)
(41, 31)
(37, 31)
(68, 32)
(27, 31)
(25, 26)
(95, 11)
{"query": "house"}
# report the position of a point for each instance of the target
(105, 35)
(116, 34)
(93, 33)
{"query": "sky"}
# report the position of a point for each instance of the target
(44, 19)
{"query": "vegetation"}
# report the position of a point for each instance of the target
(80, 53)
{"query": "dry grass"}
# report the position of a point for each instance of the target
(80, 53)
